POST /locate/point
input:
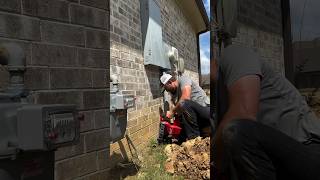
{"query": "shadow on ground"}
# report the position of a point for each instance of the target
(123, 170)
(124, 167)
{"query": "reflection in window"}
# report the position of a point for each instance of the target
(305, 27)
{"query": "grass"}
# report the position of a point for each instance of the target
(152, 164)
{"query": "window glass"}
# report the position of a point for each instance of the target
(305, 28)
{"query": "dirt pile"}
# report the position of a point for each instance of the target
(315, 106)
(316, 109)
(190, 160)
(312, 97)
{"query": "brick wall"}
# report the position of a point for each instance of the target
(143, 81)
(177, 32)
(66, 43)
(268, 45)
(4, 78)
(260, 27)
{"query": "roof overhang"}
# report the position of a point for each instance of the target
(195, 12)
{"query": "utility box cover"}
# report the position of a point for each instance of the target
(8, 128)
(120, 101)
(118, 124)
(152, 35)
(119, 104)
(44, 127)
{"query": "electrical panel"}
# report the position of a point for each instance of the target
(151, 28)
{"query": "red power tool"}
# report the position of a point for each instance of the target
(169, 130)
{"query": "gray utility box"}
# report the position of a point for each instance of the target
(151, 27)
(120, 101)
(30, 133)
(119, 104)
(118, 124)
(31, 127)
(43, 127)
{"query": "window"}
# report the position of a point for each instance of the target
(305, 44)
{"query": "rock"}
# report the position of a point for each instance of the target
(171, 148)
(191, 159)
(207, 174)
(206, 157)
(169, 166)
(141, 175)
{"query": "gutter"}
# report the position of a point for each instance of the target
(205, 18)
(204, 15)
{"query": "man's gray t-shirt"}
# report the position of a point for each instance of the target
(197, 93)
(281, 105)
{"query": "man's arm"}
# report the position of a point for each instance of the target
(244, 96)
(243, 99)
(185, 95)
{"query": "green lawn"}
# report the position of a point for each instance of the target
(152, 164)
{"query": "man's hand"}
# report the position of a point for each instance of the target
(169, 114)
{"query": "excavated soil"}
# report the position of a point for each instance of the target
(190, 160)
(315, 106)
(313, 99)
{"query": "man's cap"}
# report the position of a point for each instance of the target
(165, 78)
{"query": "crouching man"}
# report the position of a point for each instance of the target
(190, 101)
(265, 129)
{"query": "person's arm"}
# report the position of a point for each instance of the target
(244, 96)
(185, 85)
(185, 95)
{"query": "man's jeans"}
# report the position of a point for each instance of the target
(252, 150)
(194, 118)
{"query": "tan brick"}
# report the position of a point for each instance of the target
(132, 122)
(58, 78)
(115, 158)
(134, 129)
(134, 135)
(134, 114)
(62, 33)
(101, 119)
(75, 167)
(99, 175)
(13, 5)
(117, 146)
(96, 140)
(87, 123)
(29, 28)
(70, 151)
(37, 78)
(115, 53)
(103, 159)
